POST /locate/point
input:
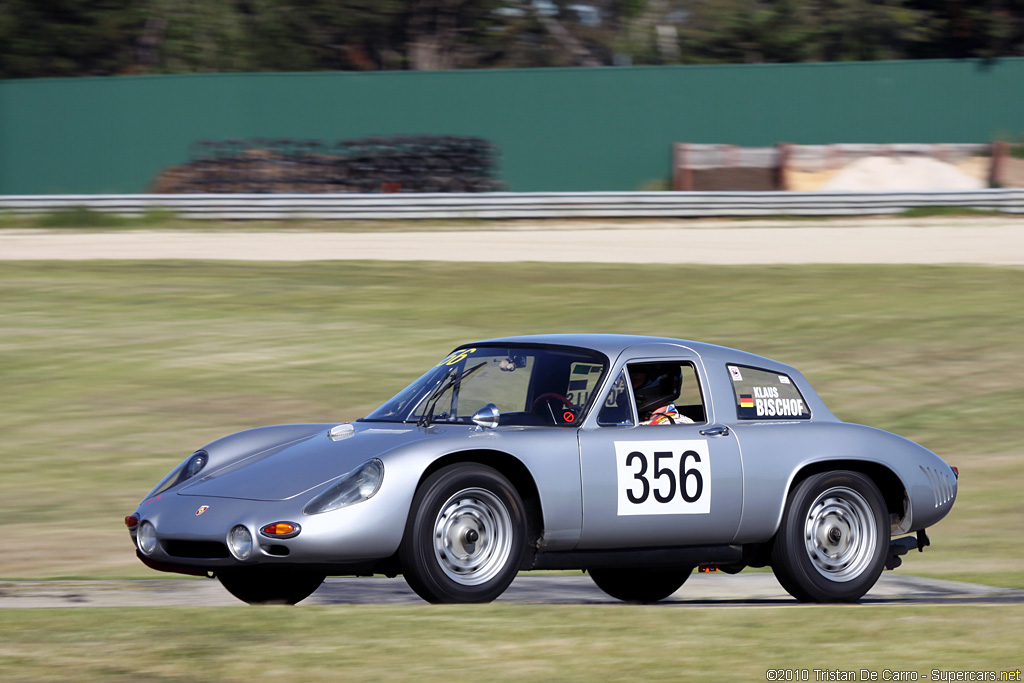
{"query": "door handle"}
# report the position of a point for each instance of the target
(717, 430)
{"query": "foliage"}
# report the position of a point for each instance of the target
(66, 37)
(43, 38)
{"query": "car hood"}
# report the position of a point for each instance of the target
(284, 471)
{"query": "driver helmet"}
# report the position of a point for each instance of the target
(661, 386)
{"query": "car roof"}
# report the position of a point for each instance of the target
(620, 348)
(612, 345)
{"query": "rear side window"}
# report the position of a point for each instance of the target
(766, 395)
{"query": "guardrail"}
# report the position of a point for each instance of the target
(509, 205)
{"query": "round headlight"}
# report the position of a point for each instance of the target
(240, 542)
(146, 538)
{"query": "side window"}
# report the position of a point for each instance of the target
(666, 392)
(617, 409)
(766, 395)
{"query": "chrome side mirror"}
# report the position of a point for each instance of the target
(486, 417)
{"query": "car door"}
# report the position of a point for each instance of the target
(674, 483)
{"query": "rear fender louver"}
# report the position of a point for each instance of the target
(943, 486)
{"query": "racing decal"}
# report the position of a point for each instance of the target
(767, 403)
(582, 380)
(202, 509)
(663, 477)
(737, 376)
(456, 357)
(767, 395)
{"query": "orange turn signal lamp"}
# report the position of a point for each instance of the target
(131, 521)
(281, 530)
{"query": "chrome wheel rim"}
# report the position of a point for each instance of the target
(840, 534)
(473, 537)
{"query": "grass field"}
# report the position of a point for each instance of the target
(507, 643)
(114, 372)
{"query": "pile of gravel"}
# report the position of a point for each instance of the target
(895, 174)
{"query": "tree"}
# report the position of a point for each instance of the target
(67, 37)
(975, 28)
(40, 38)
(850, 30)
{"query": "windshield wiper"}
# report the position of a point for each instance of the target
(451, 380)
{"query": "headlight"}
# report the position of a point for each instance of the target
(186, 470)
(354, 487)
(194, 465)
(240, 542)
(146, 538)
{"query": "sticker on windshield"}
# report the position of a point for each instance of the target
(735, 372)
(583, 379)
(663, 477)
(456, 357)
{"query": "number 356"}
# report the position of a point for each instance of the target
(663, 477)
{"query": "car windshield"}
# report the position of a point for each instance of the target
(529, 385)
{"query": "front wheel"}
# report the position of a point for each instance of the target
(270, 585)
(465, 536)
(640, 585)
(832, 543)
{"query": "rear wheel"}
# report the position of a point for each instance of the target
(832, 543)
(640, 585)
(270, 585)
(465, 536)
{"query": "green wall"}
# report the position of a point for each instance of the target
(594, 129)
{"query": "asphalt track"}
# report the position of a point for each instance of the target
(718, 590)
(984, 240)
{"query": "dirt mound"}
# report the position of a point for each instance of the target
(895, 174)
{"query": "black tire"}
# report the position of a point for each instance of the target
(465, 536)
(270, 585)
(832, 543)
(640, 585)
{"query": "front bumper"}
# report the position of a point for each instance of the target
(192, 533)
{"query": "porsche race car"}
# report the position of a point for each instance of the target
(636, 459)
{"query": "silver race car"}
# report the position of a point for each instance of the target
(636, 459)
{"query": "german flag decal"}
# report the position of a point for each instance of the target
(746, 401)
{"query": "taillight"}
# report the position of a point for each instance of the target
(956, 472)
